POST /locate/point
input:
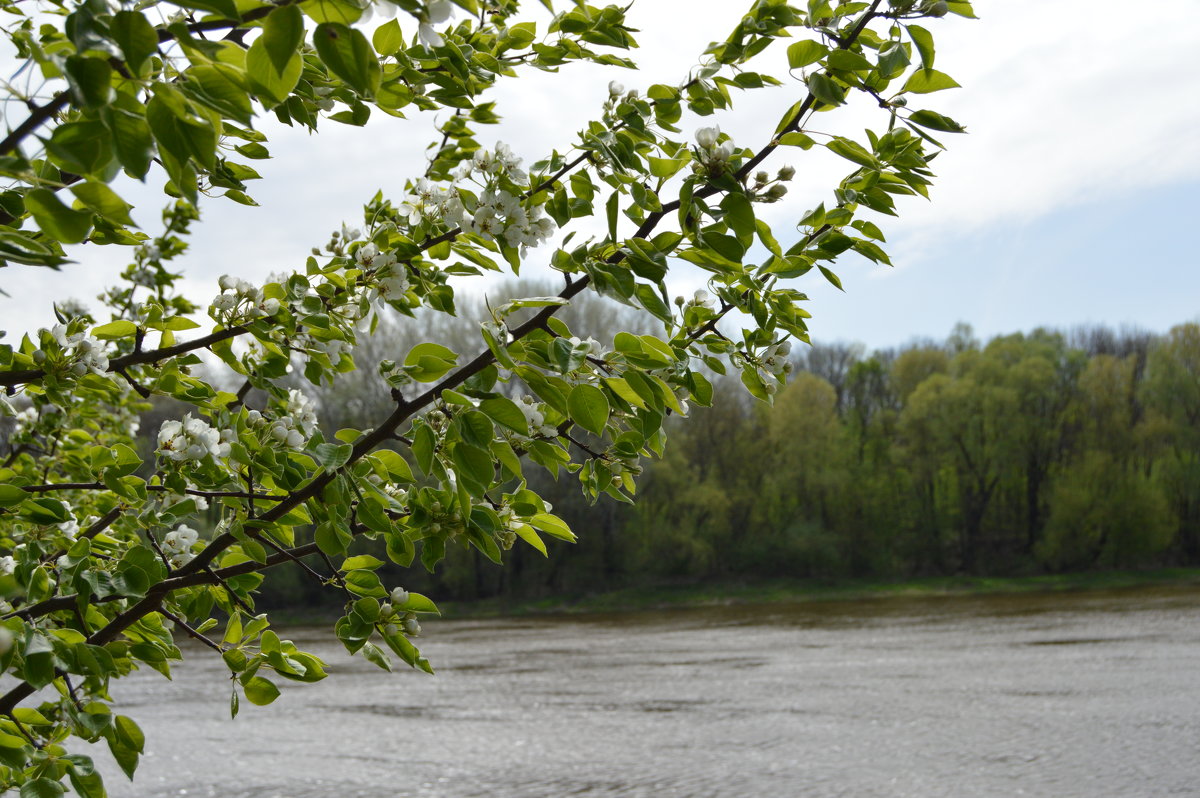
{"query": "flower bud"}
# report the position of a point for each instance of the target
(615, 89)
(776, 192)
(386, 609)
(399, 596)
(761, 177)
(786, 173)
(226, 282)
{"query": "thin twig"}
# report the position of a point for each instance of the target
(190, 631)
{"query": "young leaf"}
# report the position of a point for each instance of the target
(589, 408)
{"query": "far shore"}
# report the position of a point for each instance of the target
(708, 594)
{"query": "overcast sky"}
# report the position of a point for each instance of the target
(1072, 199)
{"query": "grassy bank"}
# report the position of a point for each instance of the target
(707, 594)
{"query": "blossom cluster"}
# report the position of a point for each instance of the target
(192, 439)
(774, 360)
(498, 214)
(177, 545)
(535, 418)
(24, 419)
(508, 534)
(391, 281)
(84, 352)
(295, 427)
(240, 300)
(408, 621)
(712, 152)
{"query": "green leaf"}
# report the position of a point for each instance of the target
(90, 80)
(361, 562)
(429, 362)
(611, 209)
(217, 87)
(283, 33)
(589, 408)
(136, 37)
(260, 691)
(805, 52)
(527, 534)
(104, 201)
(853, 151)
(396, 466)
(42, 788)
(270, 82)
(224, 8)
(847, 61)
(935, 121)
(504, 411)
(923, 40)
(925, 81)
(331, 539)
(388, 38)
(423, 446)
(11, 495)
(129, 733)
(554, 526)
(332, 455)
(131, 138)
(665, 167)
(349, 55)
(375, 656)
(177, 133)
(121, 328)
(340, 11)
(831, 277)
(797, 139)
(419, 603)
(56, 219)
(825, 89)
(474, 464)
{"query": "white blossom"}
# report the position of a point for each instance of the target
(191, 439)
(712, 150)
(177, 545)
(25, 419)
(436, 12)
(707, 137)
(7, 565)
(535, 419)
(399, 596)
(86, 352)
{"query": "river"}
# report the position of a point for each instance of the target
(1081, 694)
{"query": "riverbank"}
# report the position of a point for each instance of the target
(773, 592)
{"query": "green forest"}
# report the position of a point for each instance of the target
(1032, 453)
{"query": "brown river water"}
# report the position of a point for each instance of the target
(1084, 694)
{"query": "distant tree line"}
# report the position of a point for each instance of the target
(1042, 452)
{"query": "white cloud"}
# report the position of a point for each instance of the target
(1066, 102)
